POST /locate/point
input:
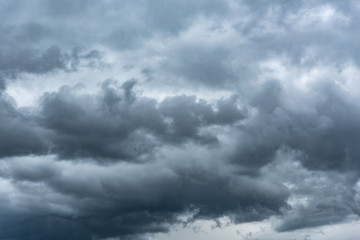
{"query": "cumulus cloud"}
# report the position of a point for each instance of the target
(117, 124)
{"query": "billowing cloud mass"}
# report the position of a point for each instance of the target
(123, 119)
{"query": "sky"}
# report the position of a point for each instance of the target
(179, 119)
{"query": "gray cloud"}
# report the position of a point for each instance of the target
(117, 124)
(108, 201)
(240, 109)
(20, 134)
(16, 61)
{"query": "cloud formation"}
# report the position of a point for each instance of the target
(122, 119)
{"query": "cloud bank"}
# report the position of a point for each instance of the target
(121, 119)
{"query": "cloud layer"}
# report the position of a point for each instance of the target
(121, 119)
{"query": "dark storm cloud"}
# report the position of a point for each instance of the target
(324, 134)
(109, 202)
(19, 133)
(261, 120)
(117, 124)
(91, 227)
(188, 115)
(105, 126)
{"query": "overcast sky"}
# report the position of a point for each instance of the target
(179, 119)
